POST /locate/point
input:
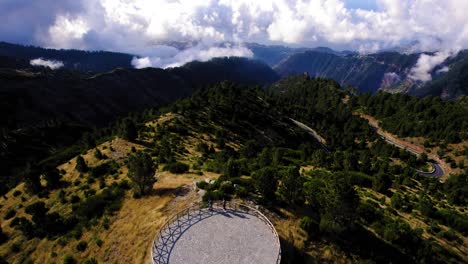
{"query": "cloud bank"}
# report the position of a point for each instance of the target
(426, 63)
(53, 64)
(199, 52)
(149, 27)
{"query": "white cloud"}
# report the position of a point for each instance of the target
(426, 63)
(199, 52)
(141, 25)
(141, 63)
(53, 64)
(443, 70)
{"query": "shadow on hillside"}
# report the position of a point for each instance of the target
(178, 191)
(365, 244)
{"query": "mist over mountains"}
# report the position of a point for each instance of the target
(431, 73)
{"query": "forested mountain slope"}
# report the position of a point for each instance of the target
(36, 104)
(363, 72)
(388, 71)
(361, 201)
(96, 61)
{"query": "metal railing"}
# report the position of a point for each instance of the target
(174, 227)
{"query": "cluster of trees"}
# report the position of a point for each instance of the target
(408, 116)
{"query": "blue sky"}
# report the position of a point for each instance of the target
(363, 4)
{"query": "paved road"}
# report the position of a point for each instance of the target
(320, 140)
(437, 169)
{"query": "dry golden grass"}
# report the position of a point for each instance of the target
(131, 231)
(416, 220)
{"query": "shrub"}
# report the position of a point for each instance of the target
(3, 236)
(396, 201)
(10, 213)
(449, 235)
(369, 211)
(94, 206)
(104, 169)
(227, 187)
(15, 247)
(75, 199)
(17, 193)
(81, 165)
(90, 261)
(241, 191)
(202, 185)
(99, 242)
(308, 225)
(177, 167)
(68, 259)
(98, 154)
(81, 246)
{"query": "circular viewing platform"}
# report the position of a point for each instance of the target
(235, 234)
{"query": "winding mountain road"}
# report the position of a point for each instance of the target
(437, 170)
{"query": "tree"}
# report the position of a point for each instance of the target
(277, 156)
(381, 182)
(52, 177)
(291, 185)
(425, 205)
(32, 179)
(334, 197)
(141, 170)
(127, 130)
(264, 158)
(338, 204)
(81, 165)
(396, 201)
(98, 154)
(232, 169)
(266, 182)
(249, 150)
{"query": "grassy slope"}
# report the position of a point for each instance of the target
(132, 228)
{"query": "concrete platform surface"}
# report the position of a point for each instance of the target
(226, 237)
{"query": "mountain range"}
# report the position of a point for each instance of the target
(388, 71)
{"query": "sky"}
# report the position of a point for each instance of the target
(147, 27)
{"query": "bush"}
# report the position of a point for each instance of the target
(104, 169)
(98, 154)
(449, 235)
(369, 211)
(81, 165)
(308, 225)
(227, 187)
(109, 199)
(99, 242)
(177, 167)
(453, 219)
(396, 201)
(10, 214)
(81, 246)
(3, 236)
(75, 199)
(17, 193)
(90, 261)
(68, 259)
(202, 185)
(241, 191)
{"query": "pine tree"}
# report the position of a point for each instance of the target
(141, 170)
(81, 165)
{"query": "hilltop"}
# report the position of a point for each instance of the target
(359, 200)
